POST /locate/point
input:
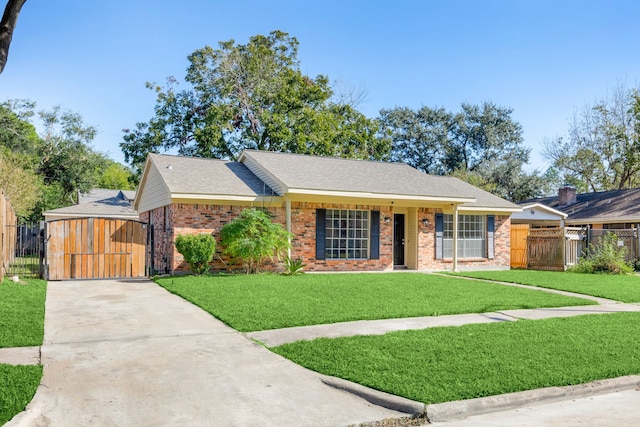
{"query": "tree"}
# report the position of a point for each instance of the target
(251, 96)
(67, 158)
(7, 25)
(116, 176)
(482, 145)
(602, 150)
(57, 164)
(22, 186)
(253, 238)
(419, 138)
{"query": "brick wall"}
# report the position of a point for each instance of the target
(303, 226)
(177, 219)
(427, 248)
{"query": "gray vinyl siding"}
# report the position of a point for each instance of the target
(156, 193)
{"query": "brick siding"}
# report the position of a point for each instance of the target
(175, 219)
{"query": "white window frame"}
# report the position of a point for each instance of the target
(472, 236)
(347, 234)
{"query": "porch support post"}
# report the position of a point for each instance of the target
(288, 221)
(455, 237)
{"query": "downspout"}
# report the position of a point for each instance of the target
(288, 220)
(455, 237)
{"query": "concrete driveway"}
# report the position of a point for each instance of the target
(129, 353)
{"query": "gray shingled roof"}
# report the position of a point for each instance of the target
(106, 193)
(193, 175)
(111, 207)
(304, 172)
(617, 205)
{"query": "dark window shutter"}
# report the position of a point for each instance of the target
(320, 233)
(375, 235)
(490, 236)
(439, 236)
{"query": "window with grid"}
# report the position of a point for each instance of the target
(472, 236)
(347, 234)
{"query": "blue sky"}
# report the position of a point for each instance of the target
(544, 59)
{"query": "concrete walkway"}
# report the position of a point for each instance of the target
(275, 337)
(120, 353)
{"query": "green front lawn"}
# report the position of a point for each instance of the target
(619, 288)
(18, 384)
(260, 302)
(22, 313)
(454, 363)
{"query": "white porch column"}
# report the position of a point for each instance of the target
(288, 221)
(455, 237)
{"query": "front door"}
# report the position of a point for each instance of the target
(398, 239)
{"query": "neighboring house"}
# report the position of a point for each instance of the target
(616, 209)
(345, 215)
(99, 202)
(537, 215)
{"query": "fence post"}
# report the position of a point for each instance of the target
(2, 227)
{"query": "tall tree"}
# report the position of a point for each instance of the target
(55, 165)
(7, 26)
(602, 150)
(419, 138)
(67, 159)
(251, 96)
(481, 144)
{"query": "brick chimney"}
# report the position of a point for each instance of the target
(567, 195)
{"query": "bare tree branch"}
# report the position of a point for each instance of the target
(7, 25)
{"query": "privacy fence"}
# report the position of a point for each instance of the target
(7, 239)
(560, 248)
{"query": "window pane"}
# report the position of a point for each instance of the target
(346, 234)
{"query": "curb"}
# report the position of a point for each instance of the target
(449, 411)
(380, 398)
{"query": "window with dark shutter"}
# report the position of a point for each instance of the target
(320, 233)
(375, 235)
(490, 236)
(439, 236)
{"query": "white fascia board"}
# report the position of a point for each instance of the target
(544, 208)
(363, 195)
(488, 209)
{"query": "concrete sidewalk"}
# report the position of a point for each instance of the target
(120, 353)
(275, 337)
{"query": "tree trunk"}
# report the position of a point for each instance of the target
(7, 25)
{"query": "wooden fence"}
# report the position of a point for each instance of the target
(95, 248)
(8, 222)
(519, 233)
(560, 248)
(545, 249)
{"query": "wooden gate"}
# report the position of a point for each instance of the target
(519, 233)
(95, 248)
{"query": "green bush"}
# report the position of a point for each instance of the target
(293, 267)
(253, 238)
(197, 250)
(604, 257)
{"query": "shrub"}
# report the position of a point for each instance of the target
(293, 267)
(604, 257)
(197, 250)
(253, 238)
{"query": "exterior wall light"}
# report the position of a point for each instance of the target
(425, 222)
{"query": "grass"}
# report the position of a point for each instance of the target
(22, 313)
(261, 302)
(454, 363)
(18, 385)
(616, 287)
